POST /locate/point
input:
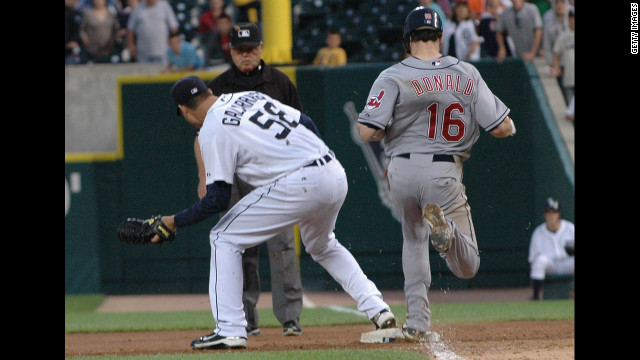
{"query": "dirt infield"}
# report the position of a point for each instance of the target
(518, 340)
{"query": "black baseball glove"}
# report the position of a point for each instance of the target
(570, 249)
(140, 232)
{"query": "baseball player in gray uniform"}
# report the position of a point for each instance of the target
(427, 112)
(297, 180)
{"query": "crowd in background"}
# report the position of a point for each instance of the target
(116, 31)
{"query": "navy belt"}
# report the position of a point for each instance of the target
(436, 157)
(322, 161)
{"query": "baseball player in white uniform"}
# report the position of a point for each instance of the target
(428, 111)
(297, 179)
(552, 247)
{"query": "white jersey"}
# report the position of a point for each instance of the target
(257, 137)
(465, 35)
(550, 244)
(432, 107)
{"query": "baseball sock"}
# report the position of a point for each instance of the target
(537, 287)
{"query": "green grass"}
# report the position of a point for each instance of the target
(275, 355)
(80, 317)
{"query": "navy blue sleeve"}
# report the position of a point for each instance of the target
(309, 124)
(217, 199)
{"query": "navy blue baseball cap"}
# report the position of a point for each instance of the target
(551, 204)
(186, 88)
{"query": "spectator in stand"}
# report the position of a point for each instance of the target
(127, 7)
(487, 30)
(459, 37)
(555, 21)
(182, 55)
(523, 23)
(219, 46)
(99, 32)
(332, 54)
(72, 20)
(570, 113)
(564, 58)
(149, 27)
(112, 5)
(476, 7)
(208, 29)
(542, 5)
(208, 24)
(446, 6)
(248, 11)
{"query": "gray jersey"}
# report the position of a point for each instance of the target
(430, 107)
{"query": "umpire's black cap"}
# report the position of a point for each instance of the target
(245, 34)
(186, 88)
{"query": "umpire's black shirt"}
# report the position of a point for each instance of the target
(265, 79)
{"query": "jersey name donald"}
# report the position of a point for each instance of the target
(440, 123)
(257, 137)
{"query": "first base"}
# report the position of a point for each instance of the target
(382, 336)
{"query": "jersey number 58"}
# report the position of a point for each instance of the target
(273, 115)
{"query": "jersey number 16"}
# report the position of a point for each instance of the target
(449, 122)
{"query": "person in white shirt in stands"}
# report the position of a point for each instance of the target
(551, 250)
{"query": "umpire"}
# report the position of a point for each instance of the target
(249, 72)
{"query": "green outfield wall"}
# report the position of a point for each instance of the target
(153, 171)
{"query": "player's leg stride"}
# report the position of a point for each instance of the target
(440, 229)
(413, 334)
(215, 341)
(384, 319)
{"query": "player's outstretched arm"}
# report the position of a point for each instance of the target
(506, 128)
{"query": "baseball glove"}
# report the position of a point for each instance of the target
(140, 232)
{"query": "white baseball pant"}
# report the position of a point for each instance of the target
(311, 197)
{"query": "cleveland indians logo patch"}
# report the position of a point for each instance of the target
(375, 101)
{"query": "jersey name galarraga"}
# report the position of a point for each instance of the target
(432, 107)
(257, 137)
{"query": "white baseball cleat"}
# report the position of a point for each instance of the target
(215, 341)
(440, 230)
(384, 319)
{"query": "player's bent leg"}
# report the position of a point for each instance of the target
(463, 258)
(441, 233)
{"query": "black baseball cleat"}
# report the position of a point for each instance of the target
(215, 341)
(253, 331)
(440, 230)
(384, 319)
(291, 328)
